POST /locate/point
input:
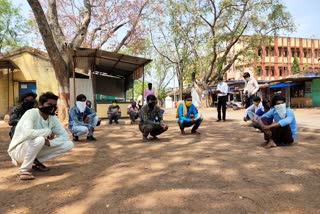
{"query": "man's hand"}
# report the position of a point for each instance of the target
(191, 115)
(86, 120)
(192, 120)
(164, 126)
(51, 136)
(245, 119)
(47, 142)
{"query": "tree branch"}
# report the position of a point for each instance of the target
(130, 32)
(80, 35)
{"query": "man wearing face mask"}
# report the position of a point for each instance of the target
(151, 120)
(82, 120)
(222, 92)
(250, 89)
(27, 101)
(114, 112)
(251, 111)
(283, 130)
(39, 136)
(188, 116)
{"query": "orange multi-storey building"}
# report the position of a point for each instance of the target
(275, 61)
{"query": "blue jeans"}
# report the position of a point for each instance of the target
(114, 117)
(80, 130)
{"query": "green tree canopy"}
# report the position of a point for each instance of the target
(12, 26)
(295, 65)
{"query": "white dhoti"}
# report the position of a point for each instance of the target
(27, 151)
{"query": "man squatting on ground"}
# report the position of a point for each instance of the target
(114, 112)
(82, 120)
(151, 121)
(188, 116)
(283, 130)
(133, 111)
(253, 109)
(27, 101)
(39, 137)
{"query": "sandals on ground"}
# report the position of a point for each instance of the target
(25, 176)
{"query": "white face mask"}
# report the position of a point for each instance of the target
(247, 79)
(81, 106)
(281, 110)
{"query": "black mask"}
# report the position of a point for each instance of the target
(151, 105)
(28, 105)
(49, 110)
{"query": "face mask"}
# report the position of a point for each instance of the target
(28, 104)
(188, 103)
(149, 87)
(151, 105)
(81, 105)
(49, 110)
(247, 79)
(255, 103)
(114, 104)
(281, 110)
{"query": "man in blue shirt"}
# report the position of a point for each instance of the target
(188, 116)
(79, 119)
(283, 130)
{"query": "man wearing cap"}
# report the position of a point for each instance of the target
(250, 89)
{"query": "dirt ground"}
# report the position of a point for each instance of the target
(221, 171)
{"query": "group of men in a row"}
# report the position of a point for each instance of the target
(37, 135)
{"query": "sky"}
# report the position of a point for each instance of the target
(305, 13)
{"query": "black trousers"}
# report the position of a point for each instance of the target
(282, 136)
(222, 103)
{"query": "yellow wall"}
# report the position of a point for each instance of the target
(102, 109)
(31, 68)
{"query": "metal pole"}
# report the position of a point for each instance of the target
(8, 73)
(142, 86)
(174, 88)
(74, 80)
(14, 103)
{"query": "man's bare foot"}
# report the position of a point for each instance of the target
(183, 133)
(270, 145)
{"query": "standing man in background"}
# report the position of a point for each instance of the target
(250, 89)
(222, 92)
(148, 91)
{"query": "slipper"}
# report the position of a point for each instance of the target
(25, 176)
(41, 167)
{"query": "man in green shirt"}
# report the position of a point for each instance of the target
(151, 120)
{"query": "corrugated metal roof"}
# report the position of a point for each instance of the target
(110, 63)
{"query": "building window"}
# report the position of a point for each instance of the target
(305, 52)
(271, 51)
(280, 72)
(267, 51)
(272, 72)
(280, 52)
(285, 52)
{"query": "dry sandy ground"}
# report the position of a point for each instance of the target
(222, 171)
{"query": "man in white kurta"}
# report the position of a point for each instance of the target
(39, 136)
